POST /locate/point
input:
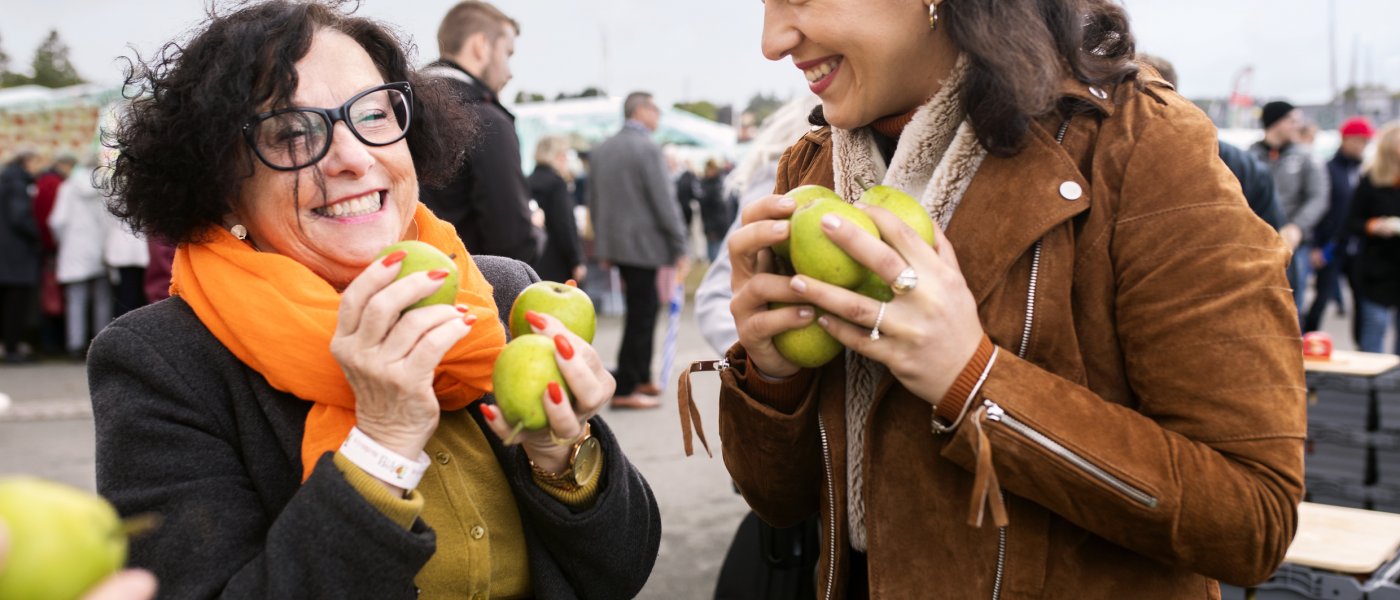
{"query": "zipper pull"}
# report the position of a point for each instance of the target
(986, 490)
(690, 413)
(994, 411)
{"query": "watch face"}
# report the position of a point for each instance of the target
(587, 461)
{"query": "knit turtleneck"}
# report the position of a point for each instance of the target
(893, 125)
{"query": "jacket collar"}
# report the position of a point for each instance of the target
(1013, 202)
(473, 89)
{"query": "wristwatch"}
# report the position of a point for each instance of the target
(585, 461)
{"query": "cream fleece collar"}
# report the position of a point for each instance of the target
(934, 161)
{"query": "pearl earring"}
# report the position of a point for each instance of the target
(239, 231)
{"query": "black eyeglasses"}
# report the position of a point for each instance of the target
(288, 139)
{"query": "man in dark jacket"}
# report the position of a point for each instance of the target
(19, 247)
(1333, 246)
(487, 201)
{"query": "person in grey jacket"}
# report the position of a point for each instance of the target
(1301, 184)
(278, 411)
(637, 227)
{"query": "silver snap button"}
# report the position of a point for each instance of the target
(1098, 93)
(1070, 190)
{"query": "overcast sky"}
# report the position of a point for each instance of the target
(710, 49)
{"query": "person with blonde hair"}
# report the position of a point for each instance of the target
(562, 257)
(1375, 216)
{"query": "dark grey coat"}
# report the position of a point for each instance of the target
(19, 231)
(636, 220)
(187, 431)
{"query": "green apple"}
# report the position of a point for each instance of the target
(874, 287)
(425, 257)
(808, 347)
(567, 303)
(903, 206)
(802, 195)
(63, 540)
(815, 255)
(523, 370)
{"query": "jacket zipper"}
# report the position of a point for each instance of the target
(1021, 353)
(997, 414)
(831, 513)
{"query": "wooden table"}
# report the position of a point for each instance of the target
(1347, 362)
(1344, 540)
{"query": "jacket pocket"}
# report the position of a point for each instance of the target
(998, 417)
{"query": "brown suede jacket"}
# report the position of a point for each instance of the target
(1148, 437)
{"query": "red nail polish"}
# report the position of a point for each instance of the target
(556, 394)
(535, 320)
(571, 283)
(562, 344)
(462, 308)
(488, 412)
(438, 274)
(469, 320)
(394, 258)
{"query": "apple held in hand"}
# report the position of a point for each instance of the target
(425, 257)
(63, 540)
(567, 303)
(808, 347)
(523, 370)
(903, 206)
(815, 255)
(803, 195)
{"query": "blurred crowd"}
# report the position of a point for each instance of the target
(70, 266)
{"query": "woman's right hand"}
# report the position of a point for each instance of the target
(755, 285)
(389, 359)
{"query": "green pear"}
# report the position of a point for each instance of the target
(815, 255)
(809, 346)
(802, 195)
(567, 303)
(903, 206)
(63, 540)
(523, 370)
(425, 257)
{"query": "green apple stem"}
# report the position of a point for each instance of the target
(514, 432)
(139, 525)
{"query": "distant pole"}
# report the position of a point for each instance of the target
(1332, 58)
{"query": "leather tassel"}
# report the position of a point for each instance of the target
(690, 413)
(986, 491)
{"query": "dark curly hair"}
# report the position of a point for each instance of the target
(181, 155)
(1021, 50)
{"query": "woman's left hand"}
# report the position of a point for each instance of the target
(592, 385)
(928, 334)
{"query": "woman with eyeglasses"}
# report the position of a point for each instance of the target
(1089, 386)
(300, 433)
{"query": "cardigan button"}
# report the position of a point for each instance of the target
(478, 532)
(444, 457)
(1070, 190)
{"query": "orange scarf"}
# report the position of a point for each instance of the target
(278, 317)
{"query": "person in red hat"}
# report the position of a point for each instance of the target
(1333, 246)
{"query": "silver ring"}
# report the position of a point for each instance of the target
(879, 318)
(905, 282)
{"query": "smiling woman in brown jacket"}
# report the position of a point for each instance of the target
(1094, 387)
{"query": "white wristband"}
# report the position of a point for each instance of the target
(382, 463)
